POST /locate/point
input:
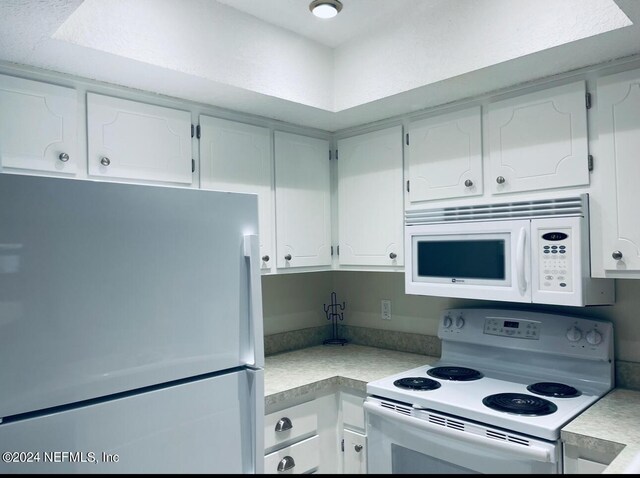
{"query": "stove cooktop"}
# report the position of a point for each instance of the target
(544, 415)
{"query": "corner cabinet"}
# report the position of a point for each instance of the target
(37, 127)
(303, 201)
(370, 209)
(619, 147)
(444, 157)
(539, 141)
(237, 157)
(138, 141)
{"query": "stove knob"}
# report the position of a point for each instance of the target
(446, 322)
(459, 322)
(594, 337)
(574, 334)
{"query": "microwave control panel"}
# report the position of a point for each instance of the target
(555, 260)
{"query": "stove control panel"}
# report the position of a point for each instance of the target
(516, 328)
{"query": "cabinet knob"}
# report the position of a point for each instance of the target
(393, 255)
(286, 463)
(287, 257)
(64, 157)
(357, 448)
(265, 258)
(284, 424)
(105, 161)
(617, 255)
(468, 183)
(500, 180)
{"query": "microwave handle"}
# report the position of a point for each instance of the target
(522, 280)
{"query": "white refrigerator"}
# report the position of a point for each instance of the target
(130, 329)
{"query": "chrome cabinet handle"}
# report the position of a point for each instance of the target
(500, 180)
(617, 255)
(284, 424)
(468, 183)
(105, 161)
(287, 257)
(64, 157)
(286, 464)
(393, 255)
(357, 448)
(265, 258)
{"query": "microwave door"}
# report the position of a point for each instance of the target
(482, 260)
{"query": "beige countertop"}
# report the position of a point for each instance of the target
(297, 373)
(611, 425)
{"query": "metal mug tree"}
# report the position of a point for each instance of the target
(334, 312)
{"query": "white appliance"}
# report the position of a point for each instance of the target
(530, 251)
(130, 329)
(495, 402)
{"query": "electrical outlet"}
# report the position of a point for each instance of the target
(386, 309)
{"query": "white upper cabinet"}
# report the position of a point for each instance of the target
(444, 157)
(237, 157)
(370, 193)
(37, 126)
(303, 201)
(619, 147)
(131, 140)
(539, 141)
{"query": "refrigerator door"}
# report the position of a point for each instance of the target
(202, 426)
(108, 287)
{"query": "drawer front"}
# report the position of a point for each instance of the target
(301, 457)
(352, 411)
(290, 424)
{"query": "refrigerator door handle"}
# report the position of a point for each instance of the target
(252, 255)
(256, 391)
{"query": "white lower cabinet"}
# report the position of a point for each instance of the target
(301, 457)
(355, 453)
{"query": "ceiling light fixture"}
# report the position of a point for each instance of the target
(325, 8)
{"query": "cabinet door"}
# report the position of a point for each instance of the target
(370, 211)
(237, 157)
(37, 126)
(355, 453)
(539, 141)
(132, 140)
(444, 157)
(619, 145)
(303, 202)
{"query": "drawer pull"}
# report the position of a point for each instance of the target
(286, 463)
(283, 425)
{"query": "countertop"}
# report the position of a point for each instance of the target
(297, 373)
(611, 425)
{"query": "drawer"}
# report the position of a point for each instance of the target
(301, 457)
(297, 422)
(352, 411)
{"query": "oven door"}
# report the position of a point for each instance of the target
(473, 260)
(400, 443)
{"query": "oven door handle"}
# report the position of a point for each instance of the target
(529, 452)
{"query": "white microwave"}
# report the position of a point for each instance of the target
(528, 251)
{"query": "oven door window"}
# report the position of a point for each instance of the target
(479, 259)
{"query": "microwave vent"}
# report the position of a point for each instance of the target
(563, 207)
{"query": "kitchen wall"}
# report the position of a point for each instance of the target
(295, 301)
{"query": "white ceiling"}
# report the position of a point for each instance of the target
(357, 17)
(273, 58)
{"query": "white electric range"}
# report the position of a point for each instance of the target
(506, 383)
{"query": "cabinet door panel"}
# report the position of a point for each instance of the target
(140, 141)
(37, 126)
(539, 141)
(370, 199)
(236, 157)
(355, 453)
(619, 139)
(303, 202)
(445, 156)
